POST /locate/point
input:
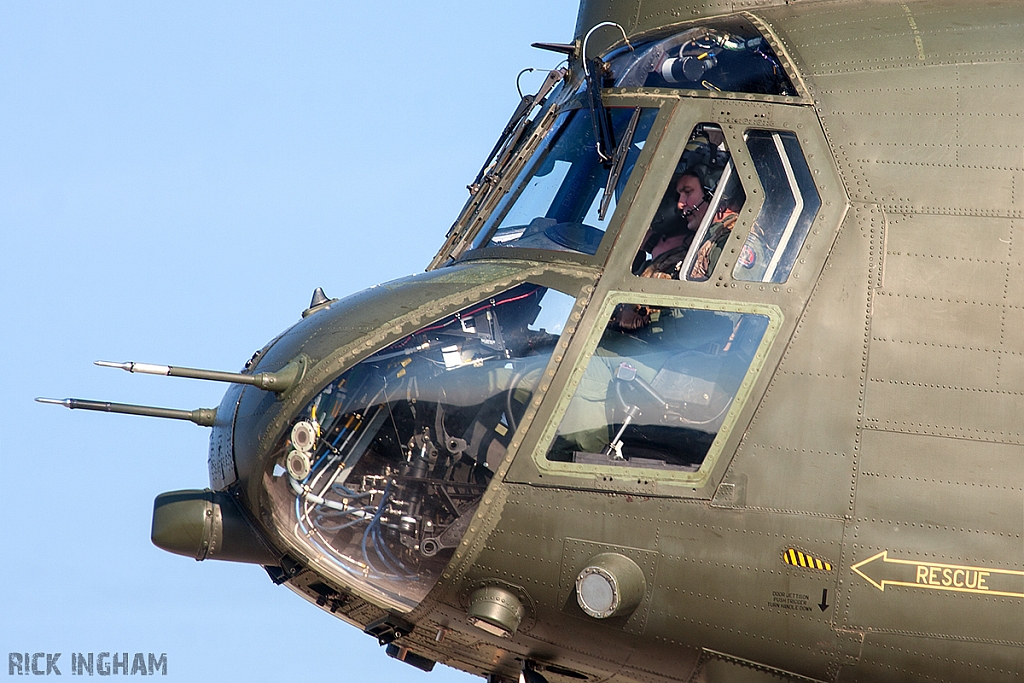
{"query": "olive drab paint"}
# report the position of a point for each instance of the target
(789, 405)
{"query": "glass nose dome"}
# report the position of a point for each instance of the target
(379, 474)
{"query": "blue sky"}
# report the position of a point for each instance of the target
(175, 180)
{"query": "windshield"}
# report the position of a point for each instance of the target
(381, 472)
(562, 199)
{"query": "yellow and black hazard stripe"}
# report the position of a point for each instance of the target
(798, 558)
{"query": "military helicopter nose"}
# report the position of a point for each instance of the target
(362, 439)
(372, 465)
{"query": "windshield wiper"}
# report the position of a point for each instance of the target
(490, 172)
(618, 162)
(600, 117)
(515, 127)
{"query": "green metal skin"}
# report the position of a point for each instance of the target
(885, 414)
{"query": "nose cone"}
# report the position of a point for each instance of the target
(206, 525)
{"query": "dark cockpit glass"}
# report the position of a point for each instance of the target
(565, 196)
(380, 473)
(724, 56)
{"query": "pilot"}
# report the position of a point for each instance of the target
(754, 256)
(669, 238)
(718, 233)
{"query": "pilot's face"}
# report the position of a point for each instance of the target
(691, 200)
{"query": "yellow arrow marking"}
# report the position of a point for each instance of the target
(944, 577)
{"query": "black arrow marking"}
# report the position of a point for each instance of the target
(824, 599)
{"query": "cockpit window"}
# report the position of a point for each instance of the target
(697, 212)
(725, 56)
(790, 204)
(565, 196)
(657, 392)
(381, 472)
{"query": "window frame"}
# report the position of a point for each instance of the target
(578, 473)
(801, 217)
